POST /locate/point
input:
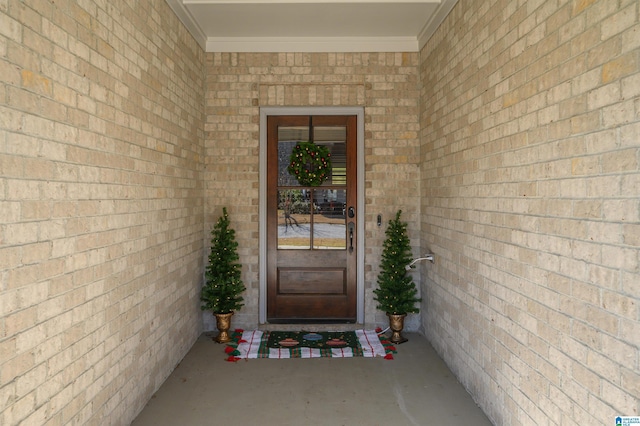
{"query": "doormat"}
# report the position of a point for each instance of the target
(308, 344)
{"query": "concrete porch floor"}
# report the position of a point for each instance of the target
(415, 388)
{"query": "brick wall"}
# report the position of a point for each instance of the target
(526, 144)
(530, 147)
(385, 84)
(101, 207)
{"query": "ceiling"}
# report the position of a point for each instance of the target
(312, 25)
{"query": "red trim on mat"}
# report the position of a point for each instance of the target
(253, 333)
(368, 342)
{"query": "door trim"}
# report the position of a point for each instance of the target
(262, 215)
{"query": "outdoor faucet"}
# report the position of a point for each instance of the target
(429, 256)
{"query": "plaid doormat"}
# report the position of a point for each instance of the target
(306, 344)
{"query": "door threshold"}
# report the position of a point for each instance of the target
(311, 326)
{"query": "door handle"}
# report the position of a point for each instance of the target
(351, 226)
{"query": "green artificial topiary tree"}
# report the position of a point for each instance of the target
(396, 292)
(223, 286)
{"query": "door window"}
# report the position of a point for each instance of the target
(312, 217)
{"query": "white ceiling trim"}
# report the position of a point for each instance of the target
(189, 21)
(312, 44)
(303, 1)
(437, 18)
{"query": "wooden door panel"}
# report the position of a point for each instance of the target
(312, 281)
(291, 308)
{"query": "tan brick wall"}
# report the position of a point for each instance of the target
(101, 207)
(530, 147)
(385, 84)
(528, 156)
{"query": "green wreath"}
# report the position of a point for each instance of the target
(310, 163)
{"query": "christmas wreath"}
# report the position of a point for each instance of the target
(310, 163)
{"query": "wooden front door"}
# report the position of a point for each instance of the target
(311, 230)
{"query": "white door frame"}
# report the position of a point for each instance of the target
(264, 113)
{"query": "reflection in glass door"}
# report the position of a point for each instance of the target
(312, 217)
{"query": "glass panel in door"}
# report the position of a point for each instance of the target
(312, 217)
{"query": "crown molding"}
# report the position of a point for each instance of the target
(309, 44)
(312, 44)
(438, 18)
(189, 22)
(301, 1)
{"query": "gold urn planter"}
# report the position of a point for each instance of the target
(396, 324)
(223, 323)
